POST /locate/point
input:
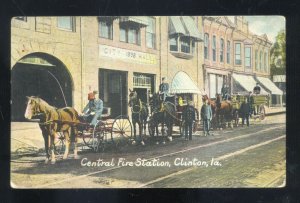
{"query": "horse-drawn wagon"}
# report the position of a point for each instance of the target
(62, 126)
(257, 105)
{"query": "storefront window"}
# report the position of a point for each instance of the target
(212, 86)
(150, 33)
(206, 43)
(106, 28)
(238, 60)
(247, 57)
(66, 23)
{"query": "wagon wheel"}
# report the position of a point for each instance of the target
(59, 143)
(236, 118)
(151, 127)
(121, 131)
(262, 112)
(182, 129)
(94, 139)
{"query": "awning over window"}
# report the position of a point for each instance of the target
(182, 83)
(247, 82)
(191, 27)
(176, 26)
(269, 85)
(142, 20)
(184, 25)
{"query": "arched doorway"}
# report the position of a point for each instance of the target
(40, 75)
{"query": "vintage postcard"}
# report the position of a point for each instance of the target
(148, 102)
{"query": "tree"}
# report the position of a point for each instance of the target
(278, 54)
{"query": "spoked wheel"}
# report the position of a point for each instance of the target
(121, 131)
(59, 143)
(94, 139)
(182, 129)
(262, 112)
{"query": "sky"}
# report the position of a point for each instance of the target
(269, 25)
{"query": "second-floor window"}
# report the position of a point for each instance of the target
(260, 60)
(228, 52)
(66, 23)
(248, 57)
(130, 34)
(214, 48)
(206, 43)
(221, 50)
(150, 33)
(106, 28)
(237, 55)
(182, 44)
(256, 60)
(266, 62)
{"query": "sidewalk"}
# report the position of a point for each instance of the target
(275, 110)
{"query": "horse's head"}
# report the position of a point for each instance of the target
(132, 98)
(218, 98)
(32, 108)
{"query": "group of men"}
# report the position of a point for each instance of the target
(94, 108)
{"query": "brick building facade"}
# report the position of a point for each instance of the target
(62, 59)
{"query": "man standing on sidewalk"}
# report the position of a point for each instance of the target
(206, 117)
(189, 116)
(245, 111)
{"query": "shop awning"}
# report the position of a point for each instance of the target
(247, 82)
(269, 85)
(192, 29)
(182, 83)
(135, 19)
(184, 25)
(176, 26)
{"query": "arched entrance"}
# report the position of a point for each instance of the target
(40, 75)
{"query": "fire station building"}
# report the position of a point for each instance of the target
(62, 59)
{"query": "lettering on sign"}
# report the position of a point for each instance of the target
(125, 54)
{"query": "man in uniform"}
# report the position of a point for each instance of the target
(93, 109)
(164, 88)
(256, 89)
(188, 116)
(206, 116)
(224, 92)
(245, 111)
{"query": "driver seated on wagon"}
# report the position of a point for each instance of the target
(93, 110)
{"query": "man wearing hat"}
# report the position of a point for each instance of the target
(206, 117)
(188, 117)
(164, 88)
(256, 89)
(94, 108)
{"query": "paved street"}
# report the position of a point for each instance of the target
(243, 157)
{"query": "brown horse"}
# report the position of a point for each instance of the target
(52, 121)
(224, 112)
